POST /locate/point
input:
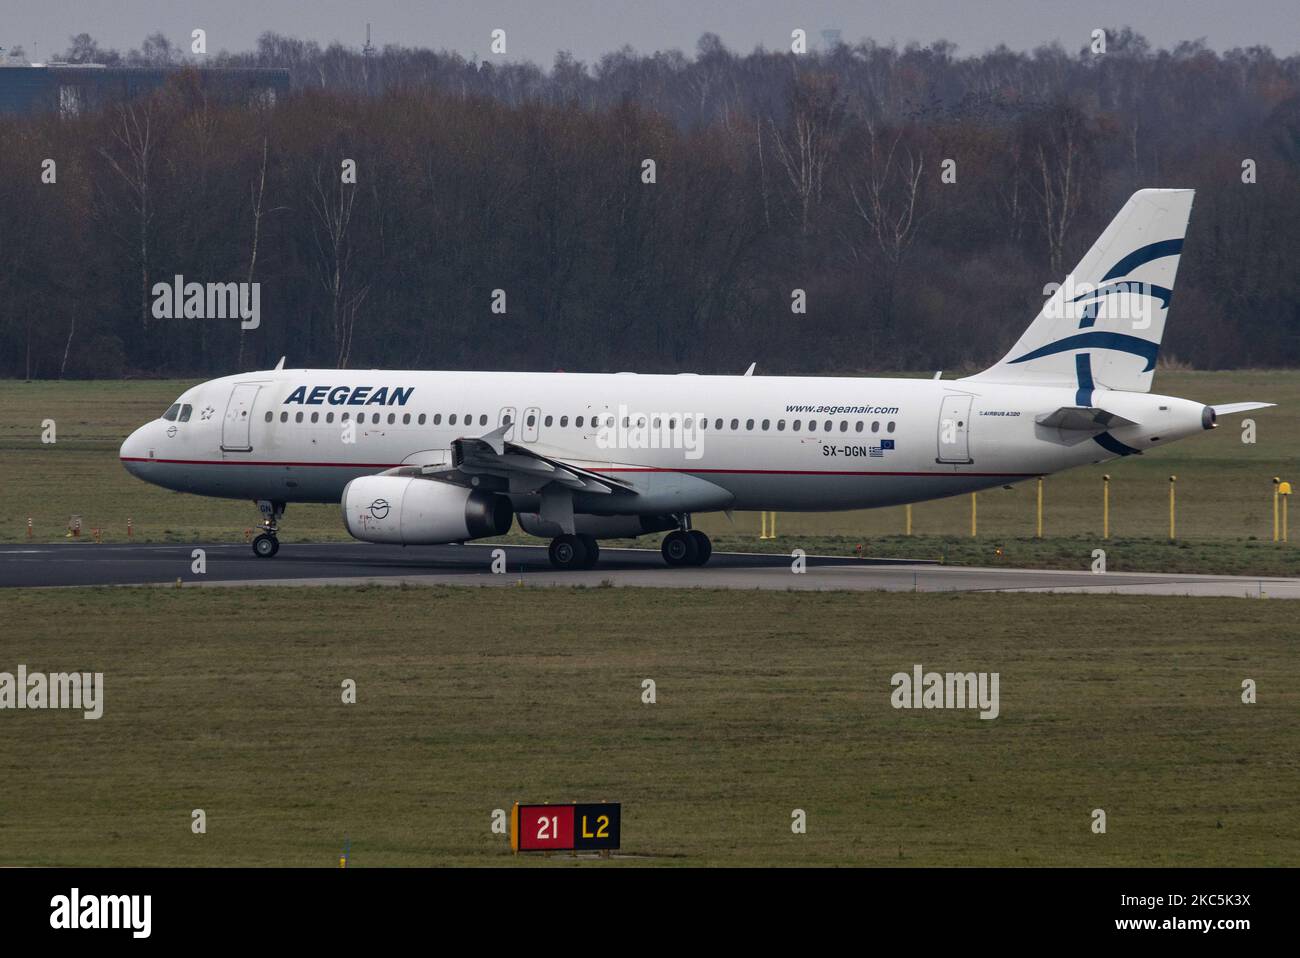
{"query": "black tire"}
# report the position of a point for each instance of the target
(593, 550)
(704, 547)
(680, 549)
(568, 552)
(265, 546)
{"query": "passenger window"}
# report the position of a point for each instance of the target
(531, 421)
(578, 422)
(297, 417)
(891, 427)
(766, 423)
(780, 425)
(392, 417)
(345, 417)
(844, 425)
(451, 420)
(795, 425)
(406, 419)
(749, 424)
(717, 424)
(482, 419)
(827, 427)
(170, 414)
(735, 424)
(437, 419)
(547, 421)
(268, 417)
(185, 412)
(858, 427)
(875, 426)
(420, 421)
(329, 417)
(315, 417)
(564, 421)
(284, 417)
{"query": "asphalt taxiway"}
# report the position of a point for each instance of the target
(344, 563)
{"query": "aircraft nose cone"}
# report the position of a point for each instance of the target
(133, 450)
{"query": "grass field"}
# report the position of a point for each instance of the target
(1224, 490)
(467, 700)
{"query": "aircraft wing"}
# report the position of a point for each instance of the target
(1085, 418)
(493, 455)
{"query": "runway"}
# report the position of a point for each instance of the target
(344, 563)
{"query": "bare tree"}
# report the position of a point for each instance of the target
(815, 125)
(134, 134)
(257, 192)
(332, 202)
(1058, 182)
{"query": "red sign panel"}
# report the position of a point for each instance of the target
(545, 827)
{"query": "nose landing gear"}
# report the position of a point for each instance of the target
(267, 544)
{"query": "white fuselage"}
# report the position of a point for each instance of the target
(282, 435)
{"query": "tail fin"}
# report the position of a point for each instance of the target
(1102, 328)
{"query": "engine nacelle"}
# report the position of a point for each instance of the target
(601, 527)
(415, 511)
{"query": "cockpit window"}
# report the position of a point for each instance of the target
(170, 414)
(185, 413)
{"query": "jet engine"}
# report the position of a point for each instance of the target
(414, 511)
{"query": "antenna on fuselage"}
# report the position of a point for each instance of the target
(938, 374)
(280, 364)
(750, 370)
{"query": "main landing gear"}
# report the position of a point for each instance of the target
(574, 551)
(683, 547)
(686, 547)
(266, 544)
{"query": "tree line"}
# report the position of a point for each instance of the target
(865, 208)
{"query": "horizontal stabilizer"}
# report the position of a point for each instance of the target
(1227, 409)
(1087, 418)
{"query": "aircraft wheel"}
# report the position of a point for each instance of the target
(593, 550)
(680, 548)
(703, 546)
(568, 552)
(265, 546)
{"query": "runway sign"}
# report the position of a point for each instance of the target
(562, 828)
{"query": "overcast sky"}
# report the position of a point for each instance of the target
(537, 29)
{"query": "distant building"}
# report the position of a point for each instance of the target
(70, 88)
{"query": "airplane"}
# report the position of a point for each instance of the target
(425, 457)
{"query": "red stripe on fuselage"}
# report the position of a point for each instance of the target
(729, 472)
